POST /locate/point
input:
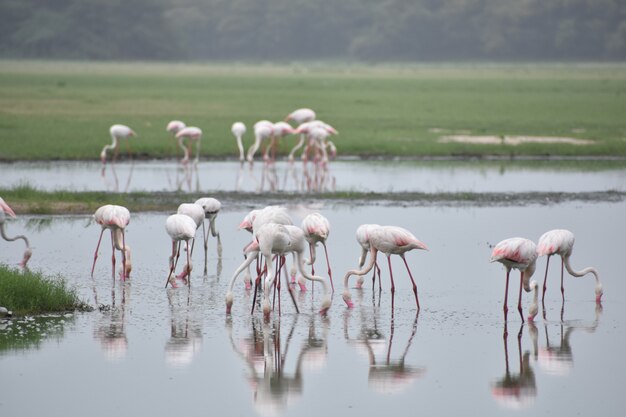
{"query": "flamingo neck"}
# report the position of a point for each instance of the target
(182, 146)
(11, 239)
(240, 146)
(364, 271)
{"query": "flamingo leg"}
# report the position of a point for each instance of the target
(506, 294)
(123, 256)
(330, 272)
(188, 266)
(205, 236)
(562, 287)
(545, 279)
(113, 255)
(95, 255)
(393, 286)
(519, 300)
(417, 301)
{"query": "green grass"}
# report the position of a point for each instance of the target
(32, 293)
(62, 110)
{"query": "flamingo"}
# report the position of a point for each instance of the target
(305, 129)
(4, 211)
(561, 242)
(115, 218)
(211, 208)
(180, 227)
(362, 236)
(196, 212)
(239, 129)
(278, 239)
(279, 131)
(316, 229)
(521, 254)
(192, 134)
(390, 240)
(117, 132)
(263, 130)
(301, 116)
(174, 127)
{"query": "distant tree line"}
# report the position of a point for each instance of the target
(369, 30)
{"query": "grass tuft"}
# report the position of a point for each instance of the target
(27, 293)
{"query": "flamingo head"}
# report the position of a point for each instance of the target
(347, 297)
(229, 302)
(599, 293)
(27, 254)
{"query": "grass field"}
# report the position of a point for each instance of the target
(62, 110)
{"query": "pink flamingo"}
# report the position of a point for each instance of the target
(561, 242)
(362, 236)
(174, 127)
(192, 134)
(115, 218)
(117, 132)
(196, 212)
(180, 227)
(316, 229)
(521, 254)
(316, 138)
(301, 116)
(390, 240)
(6, 210)
(263, 131)
(278, 239)
(280, 130)
(239, 129)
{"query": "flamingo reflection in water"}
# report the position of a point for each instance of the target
(517, 390)
(558, 360)
(110, 328)
(386, 374)
(113, 183)
(185, 340)
(276, 376)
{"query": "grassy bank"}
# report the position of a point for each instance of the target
(64, 110)
(26, 200)
(32, 293)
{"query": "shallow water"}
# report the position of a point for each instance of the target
(157, 352)
(366, 176)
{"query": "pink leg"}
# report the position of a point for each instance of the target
(123, 256)
(393, 286)
(506, 294)
(519, 300)
(113, 256)
(95, 255)
(330, 273)
(545, 279)
(188, 266)
(562, 287)
(417, 301)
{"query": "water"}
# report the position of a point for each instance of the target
(158, 352)
(366, 176)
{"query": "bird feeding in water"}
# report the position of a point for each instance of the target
(114, 218)
(4, 211)
(521, 254)
(118, 133)
(561, 242)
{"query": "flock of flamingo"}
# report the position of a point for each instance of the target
(274, 235)
(314, 136)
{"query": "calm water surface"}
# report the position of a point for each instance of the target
(152, 351)
(366, 176)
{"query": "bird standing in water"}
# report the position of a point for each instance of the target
(521, 254)
(118, 132)
(115, 218)
(180, 227)
(561, 242)
(390, 240)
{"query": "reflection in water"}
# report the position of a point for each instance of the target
(110, 327)
(17, 335)
(386, 375)
(296, 177)
(185, 178)
(111, 181)
(265, 352)
(558, 360)
(516, 390)
(186, 330)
